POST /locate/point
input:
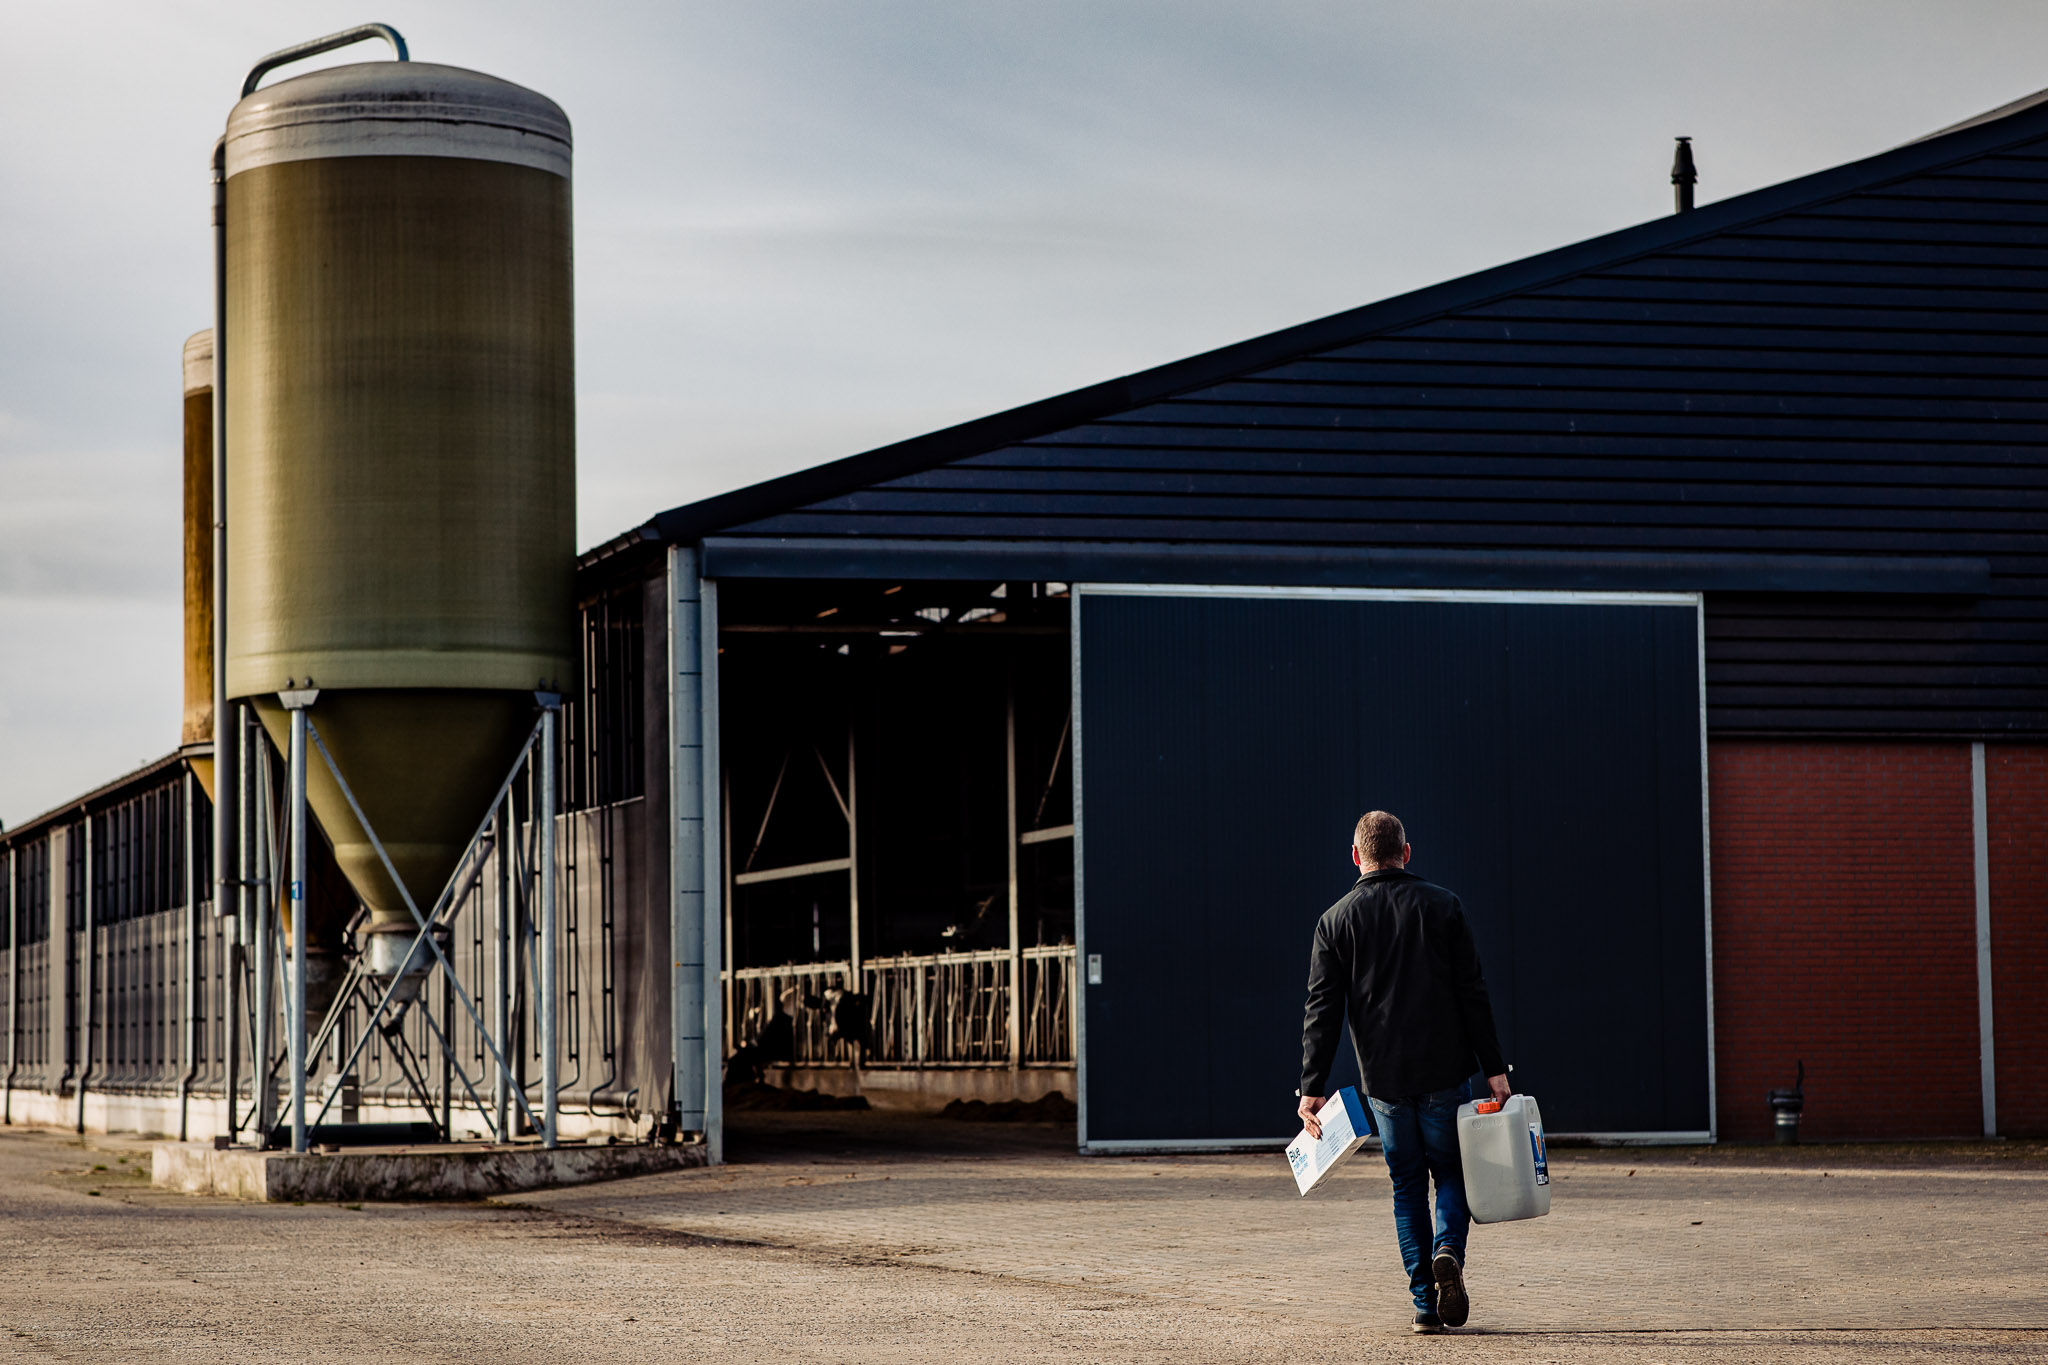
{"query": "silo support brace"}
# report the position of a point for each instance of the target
(501, 970)
(425, 922)
(259, 915)
(695, 918)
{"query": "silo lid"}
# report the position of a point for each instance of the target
(199, 361)
(397, 109)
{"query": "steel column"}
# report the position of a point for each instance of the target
(1014, 1023)
(852, 864)
(295, 1027)
(716, 910)
(729, 994)
(189, 1041)
(687, 843)
(550, 1059)
(231, 1026)
(13, 989)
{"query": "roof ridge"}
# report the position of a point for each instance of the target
(2003, 111)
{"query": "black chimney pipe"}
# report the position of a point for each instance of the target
(1684, 175)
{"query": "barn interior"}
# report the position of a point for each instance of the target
(898, 825)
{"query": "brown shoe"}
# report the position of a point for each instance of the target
(1452, 1304)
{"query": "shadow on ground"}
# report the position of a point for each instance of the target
(753, 1138)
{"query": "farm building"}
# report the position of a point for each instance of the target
(1684, 591)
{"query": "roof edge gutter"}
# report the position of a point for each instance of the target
(1337, 566)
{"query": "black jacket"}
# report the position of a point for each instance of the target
(1397, 954)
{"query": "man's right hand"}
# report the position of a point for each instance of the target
(1500, 1087)
(1309, 1107)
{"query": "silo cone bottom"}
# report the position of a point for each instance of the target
(424, 763)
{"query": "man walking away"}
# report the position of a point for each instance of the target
(1397, 954)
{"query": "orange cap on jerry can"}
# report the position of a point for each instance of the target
(1486, 1107)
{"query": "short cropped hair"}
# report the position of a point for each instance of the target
(1379, 837)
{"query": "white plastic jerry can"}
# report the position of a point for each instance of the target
(1501, 1148)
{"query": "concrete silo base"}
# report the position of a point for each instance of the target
(458, 1171)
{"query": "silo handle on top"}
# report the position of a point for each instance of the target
(313, 47)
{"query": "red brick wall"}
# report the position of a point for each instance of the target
(2016, 790)
(1844, 903)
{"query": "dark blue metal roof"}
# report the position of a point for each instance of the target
(1823, 403)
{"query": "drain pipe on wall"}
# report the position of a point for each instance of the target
(1987, 1050)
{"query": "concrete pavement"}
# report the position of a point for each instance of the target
(872, 1238)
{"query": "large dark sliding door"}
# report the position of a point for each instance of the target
(1545, 755)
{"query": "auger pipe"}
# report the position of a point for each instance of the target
(313, 47)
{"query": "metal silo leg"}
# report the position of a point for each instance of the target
(295, 1029)
(550, 1063)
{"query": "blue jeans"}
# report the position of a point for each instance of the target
(1419, 1134)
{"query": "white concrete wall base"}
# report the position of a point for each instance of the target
(205, 1117)
(458, 1172)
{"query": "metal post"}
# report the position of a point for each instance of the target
(1014, 1025)
(13, 989)
(295, 1028)
(262, 938)
(730, 992)
(87, 986)
(231, 1029)
(550, 1062)
(189, 1010)
(501, 971)
(852, 864)
(687, 811)
(714, 873)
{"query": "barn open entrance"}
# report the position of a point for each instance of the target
(898, 827)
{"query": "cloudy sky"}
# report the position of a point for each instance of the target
(805, 229)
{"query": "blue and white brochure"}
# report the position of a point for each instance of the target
(1344, 1131)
